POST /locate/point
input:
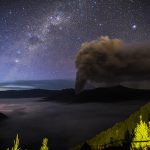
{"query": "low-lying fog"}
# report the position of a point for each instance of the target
(65, 125)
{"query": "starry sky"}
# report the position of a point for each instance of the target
(39, 39)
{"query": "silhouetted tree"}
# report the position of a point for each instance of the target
(86, 146)
(127, 140)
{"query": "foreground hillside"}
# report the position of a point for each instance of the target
(119, 130)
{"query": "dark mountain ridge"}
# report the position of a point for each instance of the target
(102, 94)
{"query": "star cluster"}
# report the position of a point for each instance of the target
(39, 39)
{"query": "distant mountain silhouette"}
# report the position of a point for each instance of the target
(105, 94)
(25, 93)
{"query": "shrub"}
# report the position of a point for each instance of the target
(141, 139)
(44, 146)
(16, 144)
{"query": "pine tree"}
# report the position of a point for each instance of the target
(141, 133)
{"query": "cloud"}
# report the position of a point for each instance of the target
(110, 61)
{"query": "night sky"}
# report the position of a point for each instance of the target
(39, 39)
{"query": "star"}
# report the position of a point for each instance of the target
(134, 26)
(10, 12)
(58, 18)
(17, 61)
(100, 24)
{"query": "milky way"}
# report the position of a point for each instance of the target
(39, 39)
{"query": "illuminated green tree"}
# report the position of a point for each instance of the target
(141, 133)
(16, 144)
(44, 144)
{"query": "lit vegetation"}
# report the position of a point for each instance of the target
(44, 146)
(141, 133)
(119, 130)
(16, 144)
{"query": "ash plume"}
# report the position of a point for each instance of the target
(111, 61)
